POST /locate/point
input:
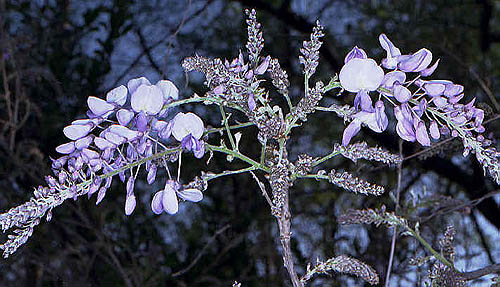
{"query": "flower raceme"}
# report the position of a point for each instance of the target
(431, 110)
(138, 132)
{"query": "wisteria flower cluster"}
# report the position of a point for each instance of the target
(134, 126)
(425, 110)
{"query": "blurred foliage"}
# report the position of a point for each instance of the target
(63, 51)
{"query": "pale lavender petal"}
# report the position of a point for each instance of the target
(148, 99)
(130, 185)
(84, 142)
(117, 95)
(251, 102)
(219, 90)
(168, 90)
(199, 150)
(262, 68)
(421, 107)
(124, 132)
(392, 78)
(99, 106)
(169, 199)
(405, 131)
(366, 102)
(135, 83)
(439, 101)
(422, 135)
(159, 125)
(390, 62)
(114, 138)
(453, 90)
(66, 148)
(91, 122)
(130, 203)
(124, 116)
(427, 72)
(185, 124)
(455, 99)
(90, 154)
(151, 174)
(355, 53)
(361, 74)
(417, 62)
(166, 132)
(478, 117)
(141, 122)
(434, 130)
(351, 130)
(191, 194)
(156, 203)
(100, 195)
(401, 93)
(369, 119)
(75, 132)
(380, 116)
(249, 74)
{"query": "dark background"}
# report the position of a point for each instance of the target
(57, 53)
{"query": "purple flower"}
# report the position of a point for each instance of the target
(130, 203)
(75, 132)
(361, 74)
(390, 62)
(168, 89)
(166, 199)
(124, 116)
(376, 120)
(117, 95)
(421, 134)
(427, 72)
(416, 62)
(262, 68)
(392, 78)
(355, 53)
(147, 99)
(187, 124)
(401, 93)
(66, 148)
(251, 102)
(99, 106)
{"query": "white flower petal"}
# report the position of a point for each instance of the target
(191, 194)
(361, 74)
(168, 89)
(133, 84)
(117, 95)
(148, 99)
(169, 200)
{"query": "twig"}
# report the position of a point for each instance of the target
(262, 189)
(494, 268)
(200, 254)
(284, 223)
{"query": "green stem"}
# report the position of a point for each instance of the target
(429, 247)
(238, 155)
(233, 127)
(226, 125)
(139, 162)
(230, 172)
(325, 158)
